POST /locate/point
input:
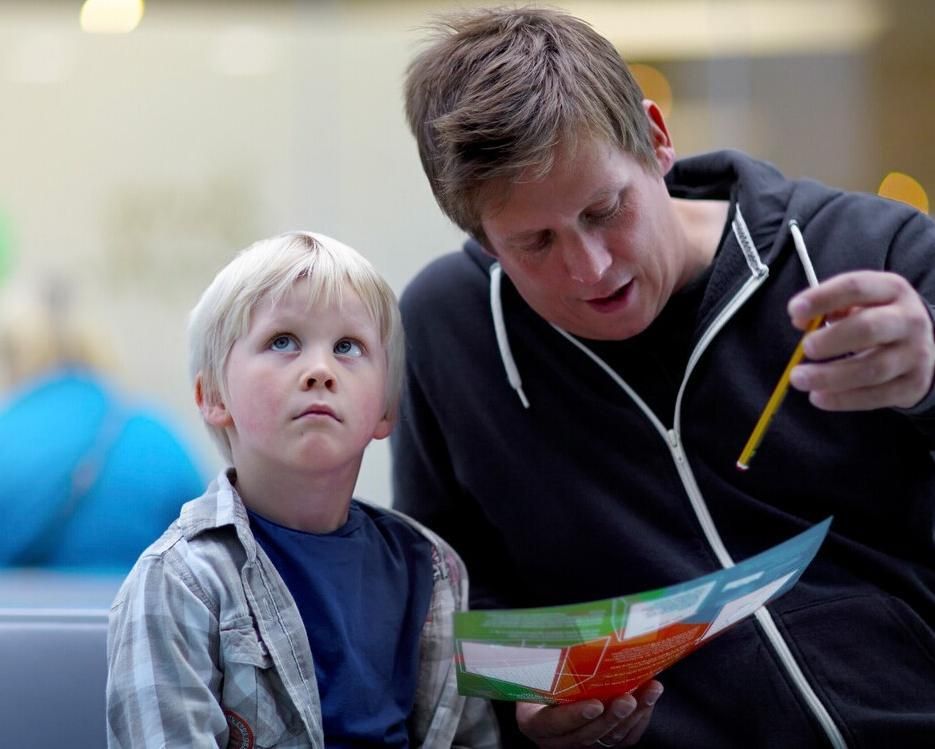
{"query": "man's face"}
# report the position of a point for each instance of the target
(595, 246)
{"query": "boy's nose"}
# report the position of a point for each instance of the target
(318, 374)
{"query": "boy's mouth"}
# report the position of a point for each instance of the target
(318, 410)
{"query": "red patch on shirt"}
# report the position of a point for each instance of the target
(240, 734)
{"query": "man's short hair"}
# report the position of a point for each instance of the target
(268, 269)
(499, 89)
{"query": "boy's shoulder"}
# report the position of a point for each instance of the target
(446, 564)
(204, 549)
(219, 507)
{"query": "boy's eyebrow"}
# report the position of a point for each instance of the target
(278, 317)
(357, 323)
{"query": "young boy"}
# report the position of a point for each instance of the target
(276, 610)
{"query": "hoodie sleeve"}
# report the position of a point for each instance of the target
(912, 255)
(425, 488)
(436, 434)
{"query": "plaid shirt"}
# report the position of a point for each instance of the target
(206, 646)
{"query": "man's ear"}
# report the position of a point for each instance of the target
(485, 245)
(214, 414)
(659, 133)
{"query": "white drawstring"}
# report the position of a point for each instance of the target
(499, 326)
(800, 248)
(503, 343)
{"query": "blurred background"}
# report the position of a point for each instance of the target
(142, 145)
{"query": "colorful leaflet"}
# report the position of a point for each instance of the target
(604, 648)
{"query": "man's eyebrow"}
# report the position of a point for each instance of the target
(607, 193)
(524, 236)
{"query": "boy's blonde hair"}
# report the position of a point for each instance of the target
(268, 269)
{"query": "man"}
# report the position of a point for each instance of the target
(583, 376)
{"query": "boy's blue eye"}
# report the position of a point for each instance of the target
(283, 343)
(347, 347)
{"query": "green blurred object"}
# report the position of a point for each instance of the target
(6, 246)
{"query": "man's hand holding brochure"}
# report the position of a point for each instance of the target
(602, 649)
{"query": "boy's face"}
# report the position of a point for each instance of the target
(306, 389)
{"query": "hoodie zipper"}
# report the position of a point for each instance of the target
(672, 438)
(700, 507)
(674, 435)
(763, 615)
(711, 533)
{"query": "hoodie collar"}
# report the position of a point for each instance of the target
(714, 176)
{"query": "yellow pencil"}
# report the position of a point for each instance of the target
(772, 405)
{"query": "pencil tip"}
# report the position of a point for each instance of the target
(742, 466)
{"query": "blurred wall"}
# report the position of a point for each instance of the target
(138, 163)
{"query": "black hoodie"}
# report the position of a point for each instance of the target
(588, 494)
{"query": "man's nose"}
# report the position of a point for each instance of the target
(587, 259)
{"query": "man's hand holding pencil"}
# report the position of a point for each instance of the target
(878, 351)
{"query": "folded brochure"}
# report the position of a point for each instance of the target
(605, 648)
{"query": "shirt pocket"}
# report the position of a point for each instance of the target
(259, 710)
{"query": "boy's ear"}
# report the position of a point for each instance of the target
(214, 414)
(384, 427)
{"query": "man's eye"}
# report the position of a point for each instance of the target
(283, 343)
(347, 347)
(605, 214)
(540, 243)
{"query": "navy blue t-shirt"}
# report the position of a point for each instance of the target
(363, 592)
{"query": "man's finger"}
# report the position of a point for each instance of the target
(857, 288)
(544, 722)
(631, 727)
(899, 393)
